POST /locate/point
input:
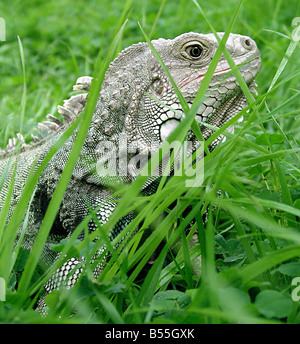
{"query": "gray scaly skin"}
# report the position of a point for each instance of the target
(125, 108)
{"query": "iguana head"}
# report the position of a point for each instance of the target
(138, 97)
(138, 100)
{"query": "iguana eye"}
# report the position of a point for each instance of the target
(195, 50)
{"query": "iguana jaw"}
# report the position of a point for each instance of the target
(217, 117)
(201, 77)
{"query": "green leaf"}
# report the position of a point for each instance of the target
(233, 298)
(273, 139)
(289, 269)
(271, 156)
(297, 204)
(273, 304)
(257, 169)
(21, 259)
(234, 258)
(255, 269)
(52, 299)
(234, 247)
(170, 299)
(116, 289)
(108, 306)
(171, 295)
(269, 195)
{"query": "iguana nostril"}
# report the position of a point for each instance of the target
(248, 44)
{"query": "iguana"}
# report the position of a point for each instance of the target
(137, 100)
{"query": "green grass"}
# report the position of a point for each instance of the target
(250, 243)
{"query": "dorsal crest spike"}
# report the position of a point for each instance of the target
(55, 120)
(83, 83)
(72, 108)
(68, 115)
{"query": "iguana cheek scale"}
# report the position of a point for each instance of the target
(138, 101)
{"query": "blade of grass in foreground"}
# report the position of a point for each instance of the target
(151, 282)
(54, 204)
(286, 196)
(267, 262)
(283, 184)
(23, 101)
(181, 99)
(20, 209)
(207, 239)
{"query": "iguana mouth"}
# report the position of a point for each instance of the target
(201, 76)
(254, 63)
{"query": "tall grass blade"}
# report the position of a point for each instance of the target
(54, 204)
(24, 94)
